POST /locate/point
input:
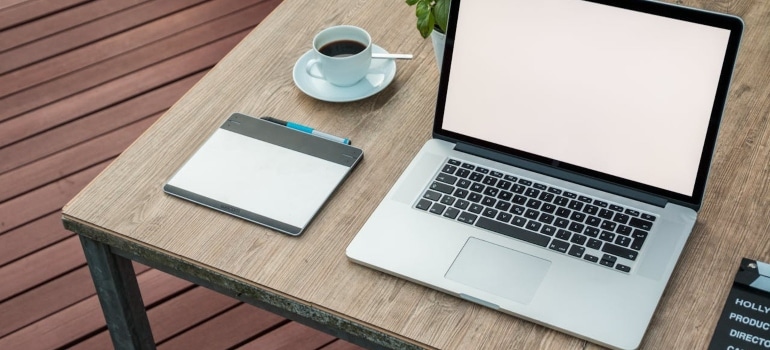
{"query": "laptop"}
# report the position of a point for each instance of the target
(571, 147)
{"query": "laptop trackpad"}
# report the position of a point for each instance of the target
(498, 270)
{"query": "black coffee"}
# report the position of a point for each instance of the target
(342, 48)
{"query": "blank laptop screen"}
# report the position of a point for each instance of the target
(616, 91)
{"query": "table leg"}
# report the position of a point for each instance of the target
(119, 296)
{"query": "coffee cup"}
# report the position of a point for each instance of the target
(343, 55)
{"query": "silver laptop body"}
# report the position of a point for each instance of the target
(610, 108)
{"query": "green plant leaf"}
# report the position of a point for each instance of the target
(411, 2)
(425, 20)
(441, 13)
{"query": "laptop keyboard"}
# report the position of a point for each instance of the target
(575, 224)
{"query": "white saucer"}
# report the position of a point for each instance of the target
(381, 73)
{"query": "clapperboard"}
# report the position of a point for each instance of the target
(745, 320)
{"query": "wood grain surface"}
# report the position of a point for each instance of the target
(126, 200)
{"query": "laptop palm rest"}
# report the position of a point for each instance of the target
(494, 269)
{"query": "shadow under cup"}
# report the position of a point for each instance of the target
(343, 55)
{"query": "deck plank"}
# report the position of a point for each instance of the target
(173, 317)
(31, 10)
(89, 32)
(292, 336)
(115, 91)
(61, 21)
(226, 330)
(38, 268)
(85, 317)
(51, 141)
(45, 200)
(31, 237)
(49, 298)
(71, 160)
(147, 55)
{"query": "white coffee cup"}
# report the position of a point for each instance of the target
(343, 55)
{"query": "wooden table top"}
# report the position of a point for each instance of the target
(126, 201)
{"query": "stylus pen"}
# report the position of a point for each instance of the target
(308, 130)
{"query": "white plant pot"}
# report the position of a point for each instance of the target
(438, 40)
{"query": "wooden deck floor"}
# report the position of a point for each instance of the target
(79, 80)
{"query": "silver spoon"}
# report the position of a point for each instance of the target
(395, 56)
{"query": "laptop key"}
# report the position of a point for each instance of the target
(533, 225)
(462, 204)
(607, 236)
(594, 243)
(504, 217)
(624, 230)
(476, 176)
(449, 169)
(446, 178)
(437, 208)
(518, 210)
(463, 183)
(467, 217)
(504, 185)
(590, 209)
(489, 212)
(563, 234)
(620, 218)
(477, 187)
(442, 187)
(563, 223)
(475, 197)
(559, 246)
(513, 231)
(548, 230)
(423, 204)
(561, 201)
(505, 195)
(454, 162)
(591, 258)
(460, 193)
(608, 260)
(432, 195)
(622, 241)
(591, 231)
(639, 223)
(554, 190)
(576, 251)
(518, 221)
(540, 186)
(448, 200)
(578, 239)
(451, 213)
(476, 208)
(503, 205)
(648, 217)
(621, 267)
(620, 251)
(468, 166)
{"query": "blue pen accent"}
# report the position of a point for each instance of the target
(300, 127)
(307, 129)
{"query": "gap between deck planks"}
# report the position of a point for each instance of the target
(79, 81)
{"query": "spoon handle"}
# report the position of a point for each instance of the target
(396, 56)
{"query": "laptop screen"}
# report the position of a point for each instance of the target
(622, 94)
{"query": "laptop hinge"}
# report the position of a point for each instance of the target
(562, 174)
